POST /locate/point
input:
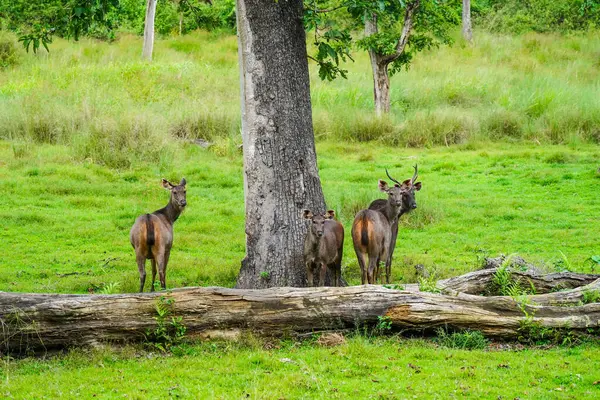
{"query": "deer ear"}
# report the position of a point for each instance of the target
(330, 214)
(383, 186)
(307, 214)
(183, 182)
(167, 185)
(417, 186)
(406, 182)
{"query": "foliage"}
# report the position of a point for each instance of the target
(169, 331)
(465, 340)
(38, 21)
(9, 51)
(518, 16)
(332, 32)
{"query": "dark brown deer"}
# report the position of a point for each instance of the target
(403, 193)
(323, 247)
(152, 234)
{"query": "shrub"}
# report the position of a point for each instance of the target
(9, 50)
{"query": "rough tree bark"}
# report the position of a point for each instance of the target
(34, 322)
(149, 30)
(380, 62)
(280, 166)
(467, 30)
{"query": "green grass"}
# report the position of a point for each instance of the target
(362, 368)
(66, 221)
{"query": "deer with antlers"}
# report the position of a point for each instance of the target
(404, 194)
(375, 229)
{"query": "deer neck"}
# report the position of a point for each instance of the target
(392, 212)
(171, 212)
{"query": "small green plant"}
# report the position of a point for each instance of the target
(590, 296)
(594, 262)
(384, 324)
(264, 274)
(504, 283)
(394, 287)
(169, 331)
(465, 340)
(563, 264)
(429, 284)
(110, 288)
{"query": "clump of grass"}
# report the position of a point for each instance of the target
(503, 123)
(557, 158)
(207, 126)
(118, 144)
(434, 128)
(465, 340)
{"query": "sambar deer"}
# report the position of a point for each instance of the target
(323, 247)
(152, 234)
(403, 193)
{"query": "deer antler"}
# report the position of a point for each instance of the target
(388, 174)
(414, 178)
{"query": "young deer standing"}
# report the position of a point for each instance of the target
(404, 191)
(323, 247)
(152, 234)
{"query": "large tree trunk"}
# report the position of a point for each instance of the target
(280, 165)
(381, 79)
(33, 322)
(149, 30)
(467, 30)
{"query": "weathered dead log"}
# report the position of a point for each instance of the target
(50, 321)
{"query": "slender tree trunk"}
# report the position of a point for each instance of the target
(467, 31)
(180, 23)
(149, 30)
(280, 166)
(381, 79)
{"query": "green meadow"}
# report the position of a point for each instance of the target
(505, 133)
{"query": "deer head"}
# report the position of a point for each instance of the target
(318, 221)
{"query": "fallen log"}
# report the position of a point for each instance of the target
(34, 322)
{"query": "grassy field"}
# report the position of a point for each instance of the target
(67, 222)
(505, 134)
(364, 368)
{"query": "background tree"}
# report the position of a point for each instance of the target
(280, 166)
(149, 30)
(467, 30)
(394, 31)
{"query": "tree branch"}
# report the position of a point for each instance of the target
(411, 8)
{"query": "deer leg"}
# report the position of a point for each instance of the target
(322, 273)
(141, 262)
(363, 269)
(388, 262)
(372, 268)
(309, 274)
(153, 261)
